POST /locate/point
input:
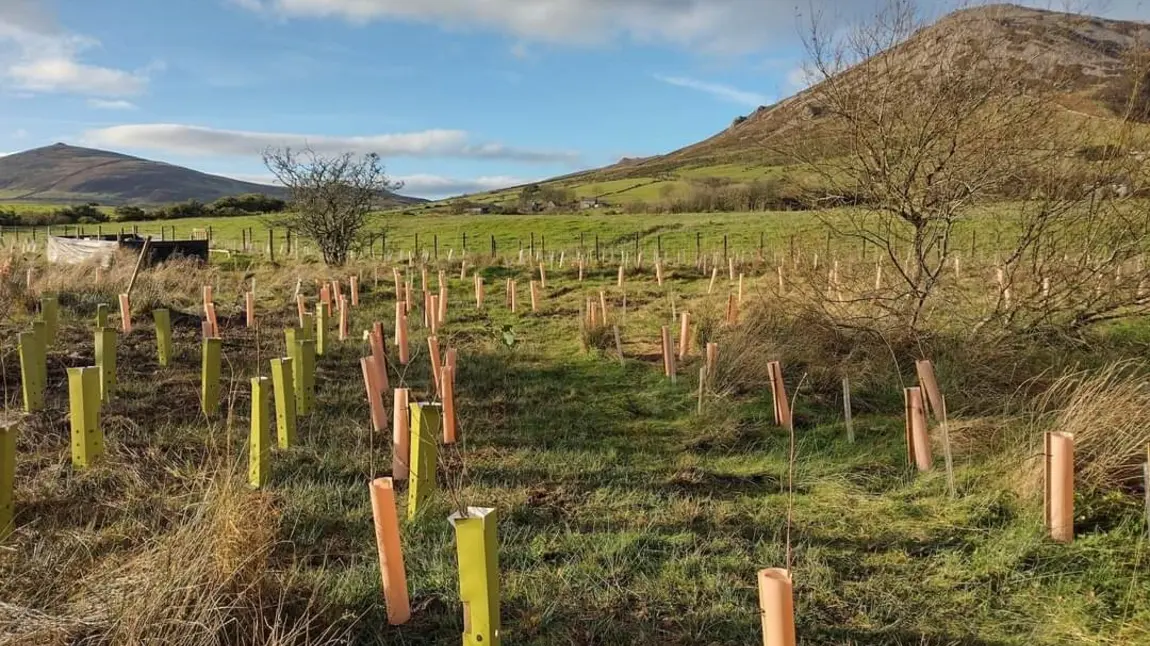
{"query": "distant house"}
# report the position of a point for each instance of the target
(591, 203)
(479, 210)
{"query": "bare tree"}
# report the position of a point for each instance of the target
(332, 197)
(919, 129)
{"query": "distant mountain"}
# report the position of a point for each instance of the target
(62, 173)
(1088, 51)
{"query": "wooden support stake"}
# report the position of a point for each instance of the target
(534, 296)
(777, 607)
(391, 569)
(477, 547)
(283, 383)
(210, 366)
(666, 341)
(84, 416)
(447, 394)
(250, 309)
(400, 435)
(353, 283)
(436, 360)
(847, 413)
(618, 344)
(425, 425)
(542, 276)
(684, 335)
(163, 319)
(344, 319)
(712, 358)
(1059, 486)
(259, 440)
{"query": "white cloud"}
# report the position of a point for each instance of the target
(113, 104)
(37, 55)
(798, 79)
(436, 186)
(717, 90)
(711, 25)
(520, 51)
(202, 141)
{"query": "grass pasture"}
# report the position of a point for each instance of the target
(626, 515)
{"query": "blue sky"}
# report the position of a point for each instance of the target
(457, 95)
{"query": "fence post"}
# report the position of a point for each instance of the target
(84, 409)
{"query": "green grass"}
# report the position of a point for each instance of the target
(624, 517)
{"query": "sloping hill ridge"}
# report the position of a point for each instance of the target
(1087, 49)
(63, 173)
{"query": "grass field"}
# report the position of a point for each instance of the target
(559, 232)
(625, 515)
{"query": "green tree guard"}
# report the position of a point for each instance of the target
(163, 320)
(106, 361)
(31, 356)
(306, 352)
(50, 314)
(84, 409)
(7, 478)
(307, 327)
(320, 331)
(210, 377)
(425, 425)
(477, 547)
(283, 383)
(101, 315)
(259, 450)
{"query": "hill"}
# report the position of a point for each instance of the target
(63, 173)
(1087, 54)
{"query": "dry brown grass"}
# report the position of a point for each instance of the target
(1107, 412)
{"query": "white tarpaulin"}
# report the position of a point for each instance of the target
(70, 251)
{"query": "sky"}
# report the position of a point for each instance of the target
(457, 96)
